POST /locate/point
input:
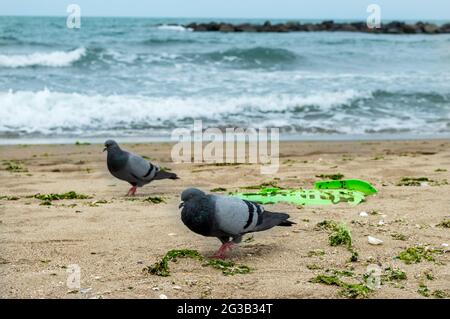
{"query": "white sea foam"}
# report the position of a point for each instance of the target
(169, 27)
(54, 112)
(51, 59)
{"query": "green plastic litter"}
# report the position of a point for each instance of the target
(351, 184)
(325, 193)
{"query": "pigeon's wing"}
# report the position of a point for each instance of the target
(235, 216)
(140, 169)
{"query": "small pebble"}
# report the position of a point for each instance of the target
(363, 214)
(445, 245)
(172, 234)
(177, 287)
(155, 288)
(374, 241)
(162, 296)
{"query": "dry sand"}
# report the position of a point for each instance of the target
(113, 242)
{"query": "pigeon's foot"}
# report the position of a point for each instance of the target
(132, 191)
(220, 254)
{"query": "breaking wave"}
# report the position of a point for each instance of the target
(49, 59)
(340, 112)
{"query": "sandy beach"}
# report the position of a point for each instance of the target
(113, 237)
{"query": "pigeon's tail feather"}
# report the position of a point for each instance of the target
(286, 223)
(165, 175)
(270, 220)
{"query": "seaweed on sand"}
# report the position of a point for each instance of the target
(423, 290)
(414, 255)
(68, 195)
(334, 177)
(341, 236)
(413, 181)
(155, 199)
(9, 197)
(326, 225)
(15, 167)
(397, 236)
(161, 268)
(270, 184)
(348, 290)
(394, 274)
(445, 223)
(419, 181)
(316, 252)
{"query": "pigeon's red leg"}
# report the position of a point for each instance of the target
(132, 191)
(220, 254)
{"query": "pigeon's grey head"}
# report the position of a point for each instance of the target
(190, 194)
(111, 145)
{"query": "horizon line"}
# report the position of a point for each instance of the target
(218, 18)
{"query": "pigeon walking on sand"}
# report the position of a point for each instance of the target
(225, 217)
(132, 168)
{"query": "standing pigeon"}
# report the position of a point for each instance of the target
(132, 168)
(225, 217)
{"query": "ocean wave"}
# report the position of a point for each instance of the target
(340, 112)
(366, 39)
(166, 41)
(254, 57)
(46, 111)
(432, 97)
(8, 39)
(49, 59)
(104, 57)
(169, 27)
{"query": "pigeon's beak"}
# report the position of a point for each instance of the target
(104, 149)
(181, 205)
